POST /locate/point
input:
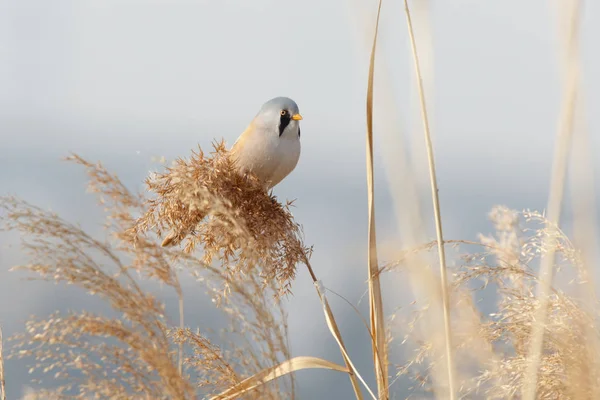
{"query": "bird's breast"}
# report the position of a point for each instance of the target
(270, 158)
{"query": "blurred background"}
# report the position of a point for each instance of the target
(127, 81)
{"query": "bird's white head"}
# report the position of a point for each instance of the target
(280, 115)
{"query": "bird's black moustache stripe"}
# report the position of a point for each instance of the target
(284, 121)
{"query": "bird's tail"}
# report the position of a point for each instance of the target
(172, 239)
(177, 234)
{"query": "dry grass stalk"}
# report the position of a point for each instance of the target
(286, 367)
(436, 210)
(335, 332)
(2, 381)
(378, 330)
(559, 168)
(585, 234)
(333, 328)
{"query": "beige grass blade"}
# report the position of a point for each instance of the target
(436, 208)
(269, 374)
(585, 235)
(379, 344)
(557, 185)
(333, 328)
(335, 332)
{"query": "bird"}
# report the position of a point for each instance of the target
(269, 147)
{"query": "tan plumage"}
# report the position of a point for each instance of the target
(269, 147)
(172, 239)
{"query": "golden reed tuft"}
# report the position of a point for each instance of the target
(206, 202)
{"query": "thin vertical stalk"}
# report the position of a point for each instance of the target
(379, 344)
(436, 208)
(557, 184)
(2, 381)
(585, 236)
(181, 326)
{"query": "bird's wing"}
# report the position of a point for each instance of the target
(248, 133)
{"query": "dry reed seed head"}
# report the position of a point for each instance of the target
(92, 356)
(491, 349)
(214, 372)
(62, 252)
(227, 214)
(120, 206)
(113, 356)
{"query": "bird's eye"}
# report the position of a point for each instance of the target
(283, 112)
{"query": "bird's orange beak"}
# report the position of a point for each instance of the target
(296, 117)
